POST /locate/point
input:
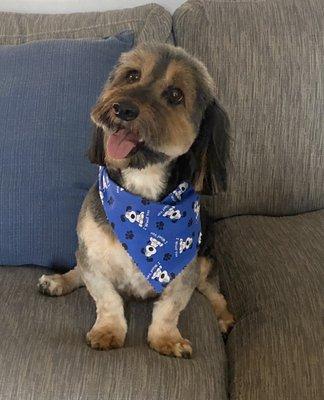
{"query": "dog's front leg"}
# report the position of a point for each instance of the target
(109, 330)
(163, 333)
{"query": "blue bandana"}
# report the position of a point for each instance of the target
(161, 237)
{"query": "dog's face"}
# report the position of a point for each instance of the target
(153, 109)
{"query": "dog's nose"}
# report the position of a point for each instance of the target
(126, 111)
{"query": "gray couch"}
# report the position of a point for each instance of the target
(267, 61)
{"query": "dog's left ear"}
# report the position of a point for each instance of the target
(212, 150)
(96, 152)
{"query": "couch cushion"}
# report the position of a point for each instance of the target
(271, 270)
(47, 91)
(43, 354)
(149, 22)
(267, 61)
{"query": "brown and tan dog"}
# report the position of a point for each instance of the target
(160, 103)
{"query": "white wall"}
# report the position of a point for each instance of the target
(69, 6)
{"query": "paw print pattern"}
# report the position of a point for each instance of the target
(129, 235)
(160, 225)
(159, 236)
(145, 202)
(148, 259)
(167, 256)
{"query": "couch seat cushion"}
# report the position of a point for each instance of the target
(271, 270)
(43, 353)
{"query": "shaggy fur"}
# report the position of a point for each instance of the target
(165, 97)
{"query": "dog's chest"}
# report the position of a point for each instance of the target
(107, 259)
(148, 182)
(124, 274)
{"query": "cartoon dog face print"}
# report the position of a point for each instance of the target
(150, 248)
(133, 216)
(102, 197)
(185, 244)
(105, 182)
(199, 238)
(173, 214)
(162, 276)
(196, 208)
(180, 190)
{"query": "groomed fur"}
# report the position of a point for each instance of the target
(182, 135)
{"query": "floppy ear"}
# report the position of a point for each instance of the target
(96, 152)
(212, 150)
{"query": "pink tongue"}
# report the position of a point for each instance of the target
(121, 143)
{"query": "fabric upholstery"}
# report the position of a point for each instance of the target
(61, 6)
(43, 353)
(267, 60)
(47, 90)
(150, 22)
(271, 270)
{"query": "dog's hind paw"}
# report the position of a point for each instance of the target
(51, 285)
(226, 322)
(180, 348)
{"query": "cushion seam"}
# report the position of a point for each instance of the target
(69, 30)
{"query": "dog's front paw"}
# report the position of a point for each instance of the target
(51, 285)
(170, 346)
(105, 338)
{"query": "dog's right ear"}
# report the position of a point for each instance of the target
(96, 152)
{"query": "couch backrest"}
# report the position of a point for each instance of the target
(149, 23)
(267, 60)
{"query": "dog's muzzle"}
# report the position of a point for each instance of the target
(125, 111)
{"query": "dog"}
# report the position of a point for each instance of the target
(162, 276)
(160, 101)
(134, 217)
(173, 214)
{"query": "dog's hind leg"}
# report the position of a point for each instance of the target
(209, 288)
(59, 285)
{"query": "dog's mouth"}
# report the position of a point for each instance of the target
(123, 143)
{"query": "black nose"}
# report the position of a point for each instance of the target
(126, 111)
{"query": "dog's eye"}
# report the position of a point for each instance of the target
(174, 95)
(133, 76)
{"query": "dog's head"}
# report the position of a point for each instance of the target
(159, 105)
